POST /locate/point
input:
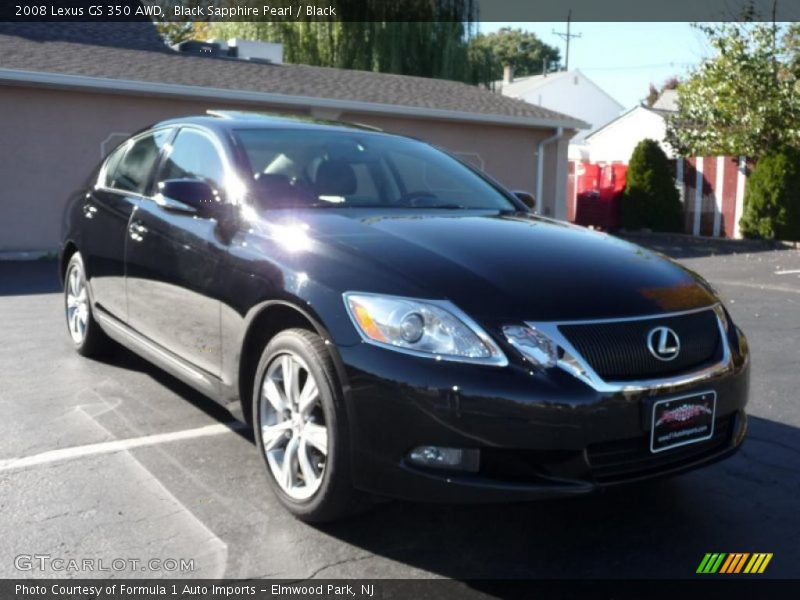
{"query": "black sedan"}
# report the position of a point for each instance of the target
(393, 322)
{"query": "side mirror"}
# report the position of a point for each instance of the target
(527, 198)
(190, 196)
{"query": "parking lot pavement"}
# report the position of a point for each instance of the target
(116, 459)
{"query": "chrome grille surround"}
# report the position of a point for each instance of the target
(576, 365)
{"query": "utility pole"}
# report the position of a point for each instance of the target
(567, 37)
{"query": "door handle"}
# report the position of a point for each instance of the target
(89, 211)
(137, 231)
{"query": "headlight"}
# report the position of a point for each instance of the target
(430, 328)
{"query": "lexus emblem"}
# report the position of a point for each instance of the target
(663, 343)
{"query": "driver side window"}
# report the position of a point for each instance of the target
(194, 156)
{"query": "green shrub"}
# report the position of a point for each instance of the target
(772, 197)
(650, 198)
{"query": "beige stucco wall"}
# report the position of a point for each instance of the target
(51, 139)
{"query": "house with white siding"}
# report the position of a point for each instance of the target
(569, 92)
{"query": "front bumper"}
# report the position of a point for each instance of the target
(541, 434)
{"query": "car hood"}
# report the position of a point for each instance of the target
(503, 266)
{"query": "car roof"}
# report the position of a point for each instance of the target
(223, 120)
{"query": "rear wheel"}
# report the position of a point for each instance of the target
(87, 337)
(301, 428)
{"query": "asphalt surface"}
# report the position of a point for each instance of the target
(198, 492)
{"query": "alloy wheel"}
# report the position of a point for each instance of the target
(77, 303)
(294, 434)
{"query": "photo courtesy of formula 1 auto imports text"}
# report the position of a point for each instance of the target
(423, 299)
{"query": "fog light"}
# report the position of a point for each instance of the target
(457, 459)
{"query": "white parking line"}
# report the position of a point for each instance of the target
(789, 272)
(61, 454)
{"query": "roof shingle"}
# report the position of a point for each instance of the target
(135, 51)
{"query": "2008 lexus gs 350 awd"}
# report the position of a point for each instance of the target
(393, 322)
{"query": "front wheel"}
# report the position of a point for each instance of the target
(301, 428)
(87, 337)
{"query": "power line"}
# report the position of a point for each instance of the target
(638, 67)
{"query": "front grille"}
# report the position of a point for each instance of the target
(623, 460)
(617, 351)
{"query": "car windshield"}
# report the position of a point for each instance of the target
(314, 168)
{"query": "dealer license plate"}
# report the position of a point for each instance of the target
(683, 420)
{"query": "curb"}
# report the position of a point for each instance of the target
(21, 255)
(688, 240)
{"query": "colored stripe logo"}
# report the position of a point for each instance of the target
(735, 562)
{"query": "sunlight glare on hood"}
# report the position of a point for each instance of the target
(291, 237)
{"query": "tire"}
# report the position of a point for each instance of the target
(87, 337)
(315, 487)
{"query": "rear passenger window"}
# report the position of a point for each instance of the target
(106, 178)
(133, 171)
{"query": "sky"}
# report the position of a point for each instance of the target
(623, 58)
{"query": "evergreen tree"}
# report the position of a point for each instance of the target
(650, 199)
(772, 197)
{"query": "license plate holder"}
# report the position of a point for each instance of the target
(682, 420)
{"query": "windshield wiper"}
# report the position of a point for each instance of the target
(446, 206)
(393, 206)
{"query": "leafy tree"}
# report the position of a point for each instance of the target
(177, 32)
(652, 95)
(427, 38)
(791, 46)
(743, 100)
(426, 49)
(650, 198)
(772, 197)
(375, 35)
(521, 50)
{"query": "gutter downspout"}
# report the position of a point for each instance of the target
(540, 165)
